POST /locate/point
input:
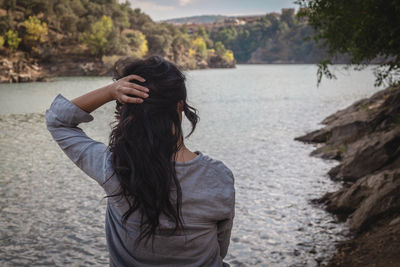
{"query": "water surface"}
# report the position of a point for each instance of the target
(52, 214)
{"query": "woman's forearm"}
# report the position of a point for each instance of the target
(122, 90)
(94, 99)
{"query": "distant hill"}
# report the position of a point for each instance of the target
(197, 19)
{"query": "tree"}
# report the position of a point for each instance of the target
(288, 16)
(12, 39)
(36, 31)
(97, 38)
(226, 35)
(201, 32)
(225, 54)
(159, 37)
(366, 30)
(137, 42)
(199, 45)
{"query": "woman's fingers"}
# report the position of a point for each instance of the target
(126, 90)
(137, 86)
(131, 91)
(133, 77)
(126, 95)
(134, 100)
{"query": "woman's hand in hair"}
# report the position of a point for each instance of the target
(125, 91)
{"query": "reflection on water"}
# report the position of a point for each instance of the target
(52, 214)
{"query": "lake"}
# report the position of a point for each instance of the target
(53, 214)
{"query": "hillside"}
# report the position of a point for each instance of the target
(197, 19)
(85, 37)
(261, 39)
(53, 38)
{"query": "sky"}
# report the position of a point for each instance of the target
(166, 9)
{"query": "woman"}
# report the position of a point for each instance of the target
(166, 205)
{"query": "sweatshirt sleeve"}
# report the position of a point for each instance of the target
(224, 235)
(89, 155)
(224, 227)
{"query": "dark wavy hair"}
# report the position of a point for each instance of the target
(145, 140)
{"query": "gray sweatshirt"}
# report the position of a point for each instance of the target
(208, 200)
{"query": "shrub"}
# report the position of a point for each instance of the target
(12, 39)
(35, 30)
(97, 38)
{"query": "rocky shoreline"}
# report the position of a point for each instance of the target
(21, 68)
(365, 139)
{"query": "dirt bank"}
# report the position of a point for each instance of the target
(365, 139)
(20, 67)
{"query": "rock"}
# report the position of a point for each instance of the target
(318, 136)
(202, 64)
(365, 138)
(378, 247)
(368, 200)
(395, 221)
(376, 152)
(19, 69)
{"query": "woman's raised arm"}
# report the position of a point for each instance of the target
(64, 116)
(119, 90)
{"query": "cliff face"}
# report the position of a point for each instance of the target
(365, 138)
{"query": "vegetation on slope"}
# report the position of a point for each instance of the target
(98, 30)
(273, 38)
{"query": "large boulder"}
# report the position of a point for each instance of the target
(371, 198)
(365, 138)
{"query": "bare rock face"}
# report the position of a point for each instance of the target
(365, 138)
(19, 69)
(75, 65)
(371, 198)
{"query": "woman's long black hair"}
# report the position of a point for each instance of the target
(145, 140)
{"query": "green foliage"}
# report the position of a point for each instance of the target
(1, 41)
(225, 54)
(199, 45)
(137, 19)
(137, 42)
(77, 24)
(181, 41)
(97, 38)
(32, 7)
(271, 38)
(12, 39)
(201, 32)
(159, 37)
(226, 35)
(288, 17)
(36, 30)
(69, 23)
(364, 30)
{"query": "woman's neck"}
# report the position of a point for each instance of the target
(184, 154)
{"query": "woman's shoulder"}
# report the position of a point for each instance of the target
(221, 183)
(217, 165)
